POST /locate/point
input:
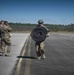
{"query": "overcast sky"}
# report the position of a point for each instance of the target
(30, 11)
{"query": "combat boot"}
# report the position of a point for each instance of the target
(39, 57)
(8, 54)
(43, 56)
(3, 54)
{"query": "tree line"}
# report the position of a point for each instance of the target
(51, 27)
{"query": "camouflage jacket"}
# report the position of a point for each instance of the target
(4, 30)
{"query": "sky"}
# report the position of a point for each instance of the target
(30, 11)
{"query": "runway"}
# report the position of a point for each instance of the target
(7, 63)
(59, 51)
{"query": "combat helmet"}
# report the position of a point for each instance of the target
(40, 22)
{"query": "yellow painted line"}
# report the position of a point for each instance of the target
(27, 68)
(18, 67)
(20, 60)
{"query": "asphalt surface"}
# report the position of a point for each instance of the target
(59, 51)
(7, 63)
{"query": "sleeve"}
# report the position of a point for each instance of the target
(47, 35)
(1, 28)
(9, 29)
(46, 28)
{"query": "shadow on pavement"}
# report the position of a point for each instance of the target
(26, 57)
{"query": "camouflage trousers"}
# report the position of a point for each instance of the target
(39, 48)
(0, 44)
(5, 45)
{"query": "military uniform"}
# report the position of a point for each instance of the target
(40, 45)
(0, 42)
(0, 38)
(5, 39)
(39, 48)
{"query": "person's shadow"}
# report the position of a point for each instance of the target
(26, 57)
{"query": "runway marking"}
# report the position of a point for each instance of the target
(27, 68)
(20, 60)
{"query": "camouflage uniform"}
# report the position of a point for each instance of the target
(0, 39)
(5, 39)
(1, 23)
(40, 45)
(39, 48)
